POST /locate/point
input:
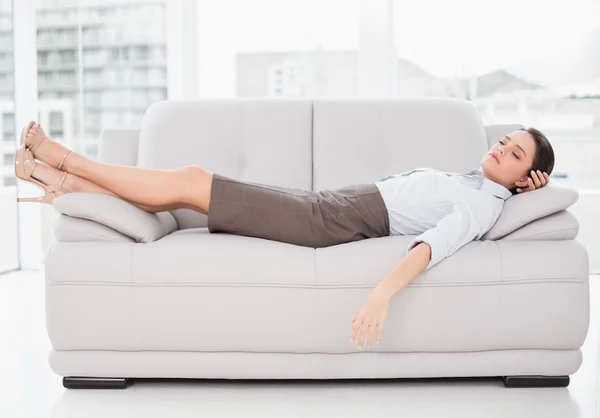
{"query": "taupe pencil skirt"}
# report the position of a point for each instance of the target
(296, 216)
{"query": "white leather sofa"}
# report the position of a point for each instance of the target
(130, 294)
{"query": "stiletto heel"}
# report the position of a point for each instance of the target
(33, 142)
(47, 198)
(24, 166)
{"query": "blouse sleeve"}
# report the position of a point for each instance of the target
(454, 230)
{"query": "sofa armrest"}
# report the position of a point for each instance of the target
(119, 146)
(69, 229)
(117, 214)
(558, 226)
(524, 208)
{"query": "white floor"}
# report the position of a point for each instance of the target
(29, 388)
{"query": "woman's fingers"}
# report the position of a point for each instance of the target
(368, 328)
(359, 323)
(371, 332)
(380, 330)
(533, 178)
(542, 179)
(536, 178)
(355, 327)
(363, 332)
(367, 331)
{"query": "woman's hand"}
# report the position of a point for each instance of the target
(371, 314)
(536, 181)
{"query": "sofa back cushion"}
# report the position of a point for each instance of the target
(363, 140)
(255, 139)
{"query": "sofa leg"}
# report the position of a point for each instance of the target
(95, 382)
(536, 381)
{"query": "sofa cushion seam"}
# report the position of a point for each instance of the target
(549, 232)
(88, 233)
(287, 285)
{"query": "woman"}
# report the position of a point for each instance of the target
(448, 210)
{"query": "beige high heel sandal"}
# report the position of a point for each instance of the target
(24, 166)
(33, 142)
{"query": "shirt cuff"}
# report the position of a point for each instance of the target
(437, 254)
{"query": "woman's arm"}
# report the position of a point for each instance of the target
(454, 230)
(374, 310)
(414, 263)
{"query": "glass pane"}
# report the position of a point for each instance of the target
(10, 181)
(9, 159)
(8, 142)
(544, 77)
(296, 49)
(124, 58)
(57, 61)
(119, 71)
(100, 65)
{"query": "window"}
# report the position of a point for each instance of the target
(42, 58)
(242, 65)
(8, 122)
(10, 181)
(124, 52)
(56, 119)
(117, 38)
(8, 216)
(67, 57)
(9, 159)
(545, 77)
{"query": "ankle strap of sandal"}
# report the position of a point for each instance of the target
(60, 165)
(62, 179)
(37, 143)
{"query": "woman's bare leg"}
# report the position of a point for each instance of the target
(189, 185)
(74, 183)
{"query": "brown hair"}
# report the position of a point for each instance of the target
(543, 159)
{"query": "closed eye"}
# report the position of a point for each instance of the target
(516, 156)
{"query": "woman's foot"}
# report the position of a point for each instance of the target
(48, 151)
(73, 183)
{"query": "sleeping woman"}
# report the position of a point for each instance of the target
(444, 211)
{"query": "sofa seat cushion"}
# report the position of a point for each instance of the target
(197, 291)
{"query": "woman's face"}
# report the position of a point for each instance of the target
(514, 154)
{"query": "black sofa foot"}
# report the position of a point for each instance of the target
(95, 382)
(536, 381)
